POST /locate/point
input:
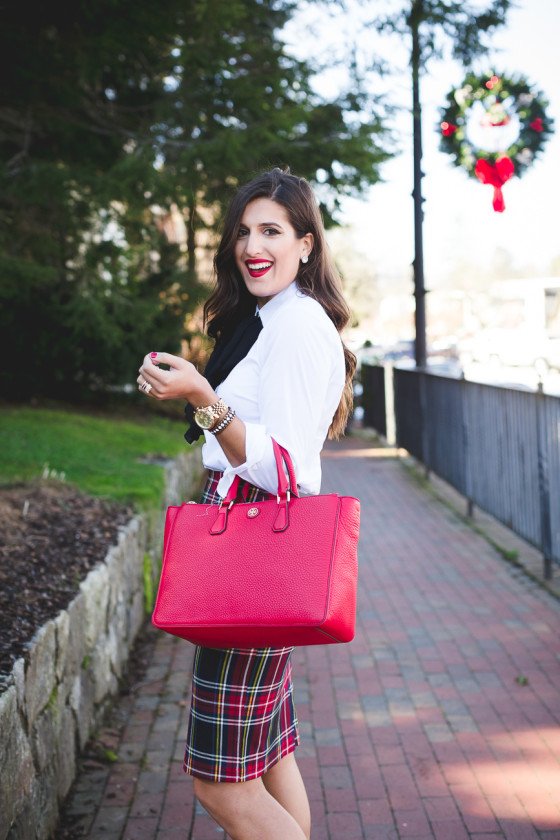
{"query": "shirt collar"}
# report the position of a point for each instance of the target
(271, 306)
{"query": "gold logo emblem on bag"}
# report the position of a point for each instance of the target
(252, 512)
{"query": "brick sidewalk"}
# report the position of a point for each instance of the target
(440, 720)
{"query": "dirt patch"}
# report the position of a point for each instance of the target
(51, 535)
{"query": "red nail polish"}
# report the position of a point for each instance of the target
(153, 355)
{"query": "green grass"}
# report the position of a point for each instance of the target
(99, 454)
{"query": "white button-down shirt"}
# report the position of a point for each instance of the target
(288, 388)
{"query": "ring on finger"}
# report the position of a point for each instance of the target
(146, 387)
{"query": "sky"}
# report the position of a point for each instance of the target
(459, 223)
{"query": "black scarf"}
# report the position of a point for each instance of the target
(225, 356)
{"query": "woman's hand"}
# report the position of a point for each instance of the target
(181, 381)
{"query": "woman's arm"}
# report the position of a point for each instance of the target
(183, 381)
(301, 379)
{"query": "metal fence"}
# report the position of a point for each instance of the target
(499, 447)
(373, 398)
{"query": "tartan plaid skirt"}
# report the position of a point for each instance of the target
(243, 719)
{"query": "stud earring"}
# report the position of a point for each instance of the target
(305, 258)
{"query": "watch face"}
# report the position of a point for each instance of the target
(204, 418)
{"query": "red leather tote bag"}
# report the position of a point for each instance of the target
(275, 573)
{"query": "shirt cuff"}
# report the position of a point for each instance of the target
(259, 467)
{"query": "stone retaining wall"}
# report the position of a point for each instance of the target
(55, 698)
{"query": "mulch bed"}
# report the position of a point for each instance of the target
(51, 535)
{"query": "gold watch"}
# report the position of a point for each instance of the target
(206, 416)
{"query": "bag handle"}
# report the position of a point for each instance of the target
(232, 494)
(282, 457)
(287, 487)
(286, 484)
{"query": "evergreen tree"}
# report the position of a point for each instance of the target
(111, 114)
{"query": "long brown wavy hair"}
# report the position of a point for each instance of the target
(230, 300)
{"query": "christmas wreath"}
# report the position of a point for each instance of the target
(494, 127)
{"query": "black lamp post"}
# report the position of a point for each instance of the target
(418, 264)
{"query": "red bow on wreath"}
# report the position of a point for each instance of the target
(495, 174)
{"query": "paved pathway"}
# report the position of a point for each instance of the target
(441, 719)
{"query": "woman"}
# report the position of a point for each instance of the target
(279, 370)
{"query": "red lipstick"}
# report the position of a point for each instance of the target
(257, 268)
